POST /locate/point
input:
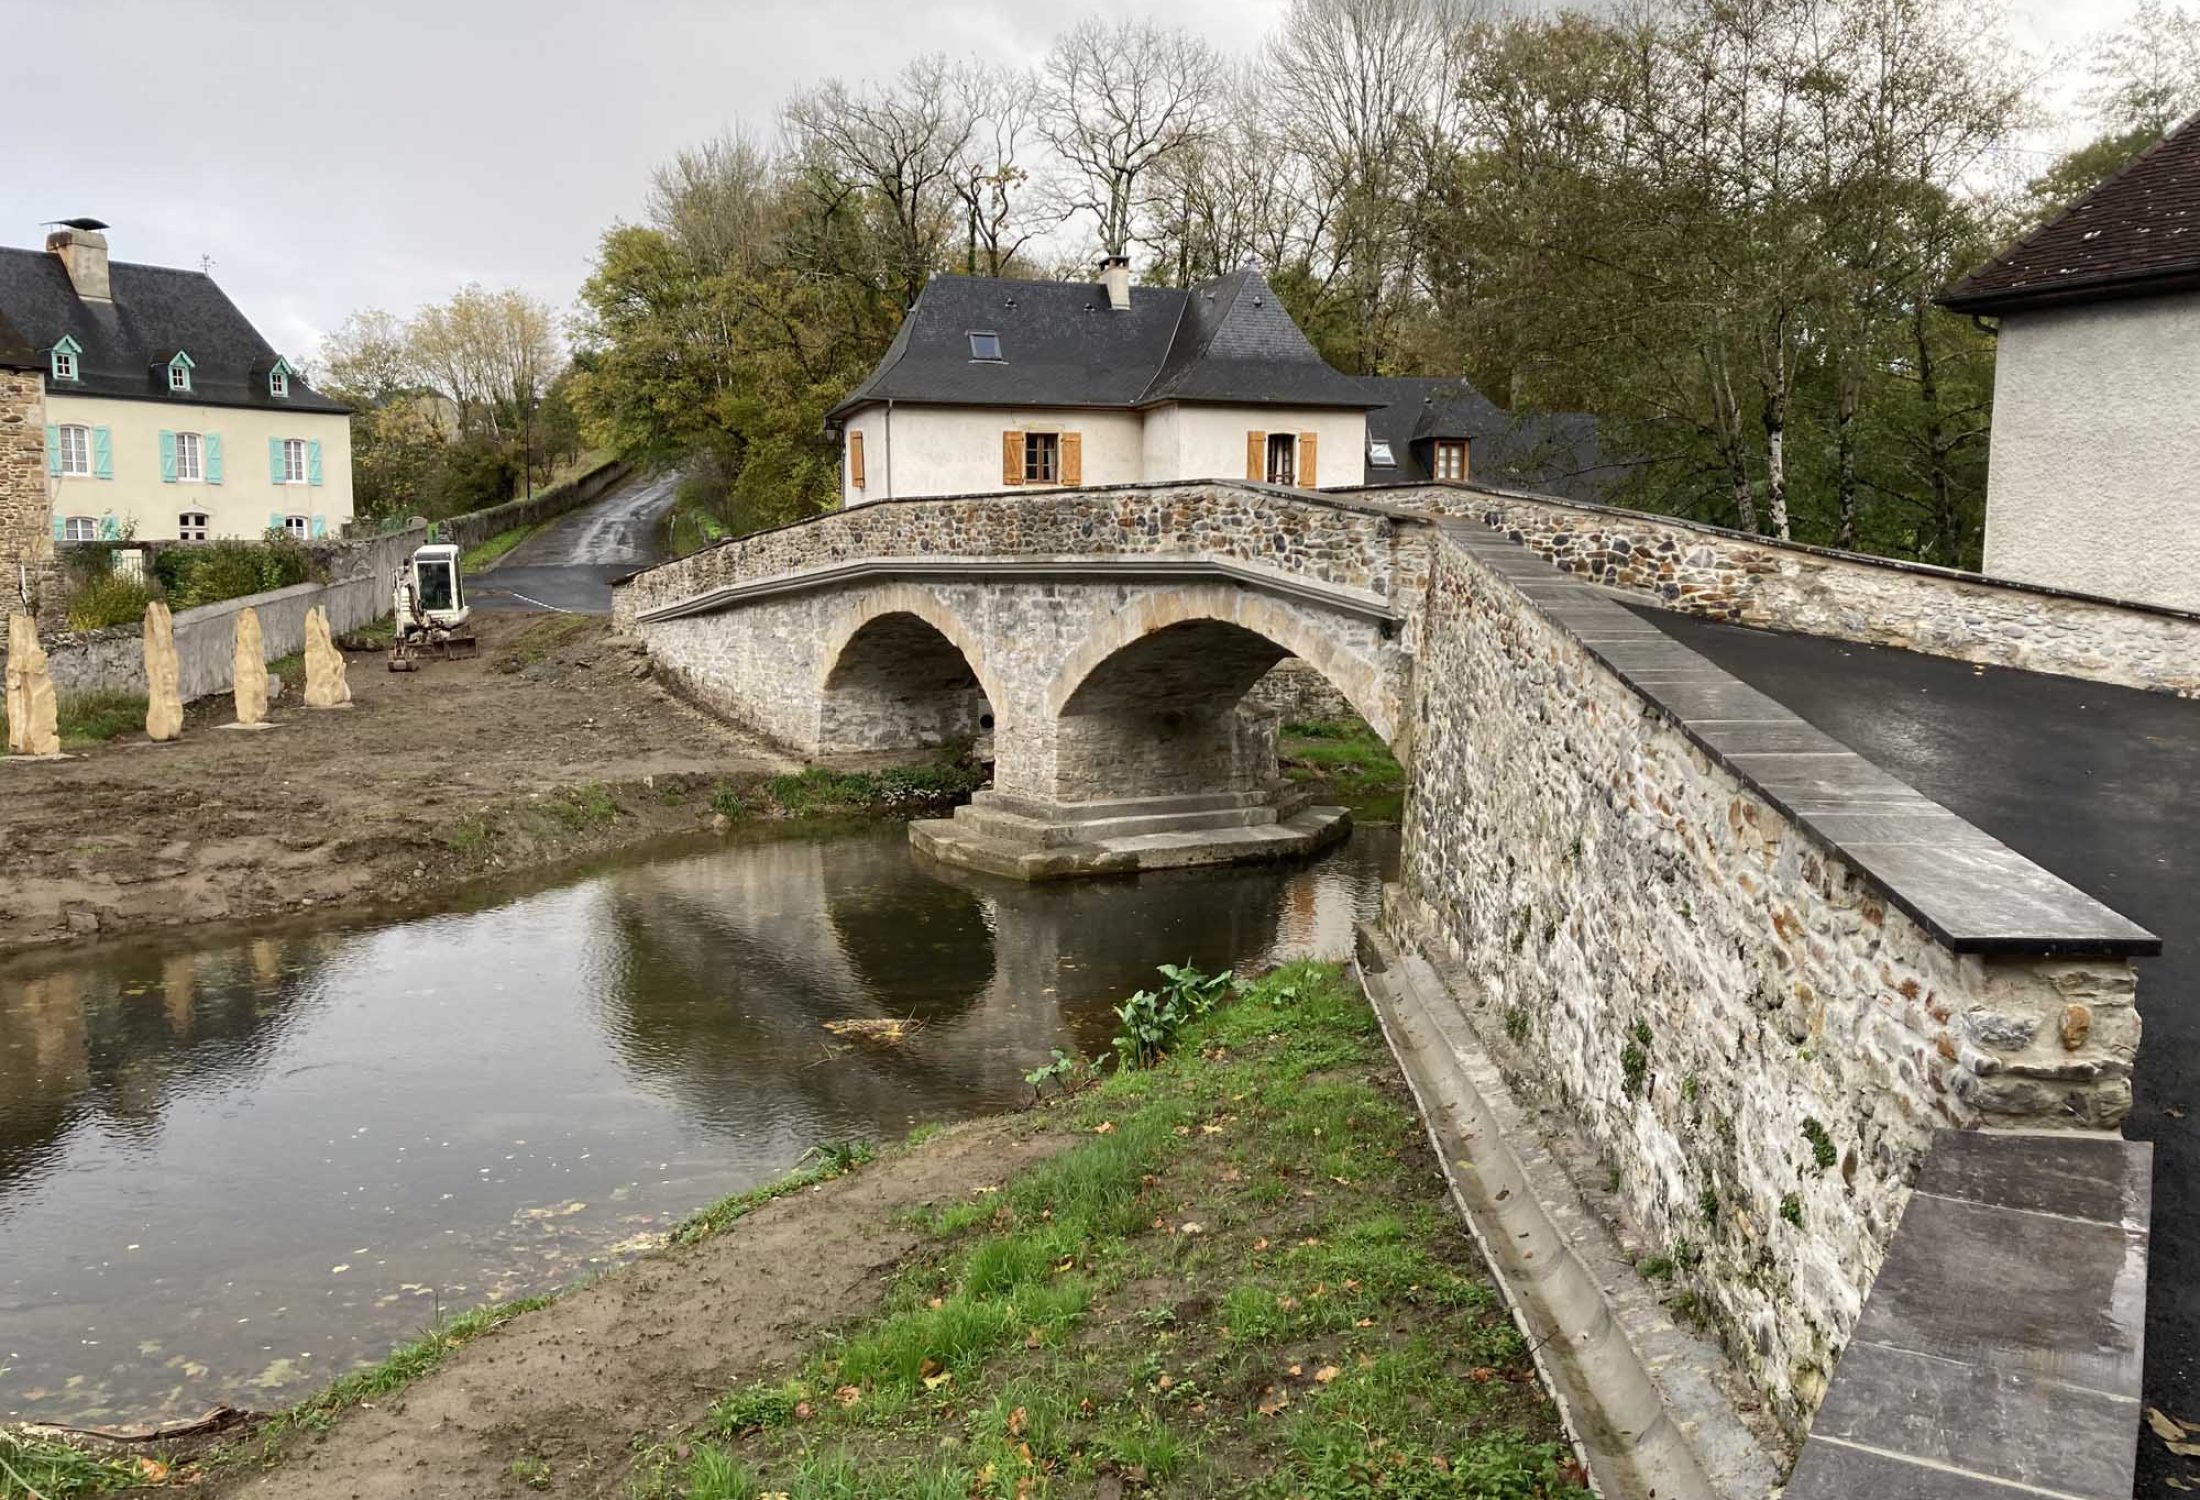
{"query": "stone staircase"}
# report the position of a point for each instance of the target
(1029, 840)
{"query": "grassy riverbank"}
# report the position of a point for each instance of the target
(1346, 765)
(1243, 1280)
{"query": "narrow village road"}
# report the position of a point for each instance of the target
(2102, 786)
(569, 564)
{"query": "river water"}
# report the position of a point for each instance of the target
(232, 1172)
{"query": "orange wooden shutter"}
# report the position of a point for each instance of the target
(1073, 458)
(855, 460)
(1012, 458)
(1306, 460)
(1256, 456)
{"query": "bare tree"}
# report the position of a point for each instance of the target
(716, 200)
(995, 175)
(1119, 100)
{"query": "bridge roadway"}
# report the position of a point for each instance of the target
(2100, 785)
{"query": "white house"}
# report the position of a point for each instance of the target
(995, 384)
(167, 416)
(2093, 480)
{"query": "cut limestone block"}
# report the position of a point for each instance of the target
(163, 677)
(33, 715)
(325, 684)
(250, 670)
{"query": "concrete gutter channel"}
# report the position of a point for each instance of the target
(1999, 1351)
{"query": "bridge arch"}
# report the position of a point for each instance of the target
(902, 671)
(1147, 703)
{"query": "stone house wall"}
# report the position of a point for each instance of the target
(1748, 580)
(26, 503)
(1758, 1041)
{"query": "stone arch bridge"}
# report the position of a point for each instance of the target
(1103, 640)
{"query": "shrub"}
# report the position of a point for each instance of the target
(106, 599)
(1151, 1021)
(215, 571)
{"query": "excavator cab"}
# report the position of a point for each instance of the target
(430, 611)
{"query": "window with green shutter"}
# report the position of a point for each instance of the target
(167, 457)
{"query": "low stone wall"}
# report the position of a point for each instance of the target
(1637, 864)
(476, 527)
(113, 660)
(1751, 580)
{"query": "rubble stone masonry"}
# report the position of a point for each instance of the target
(26, 508)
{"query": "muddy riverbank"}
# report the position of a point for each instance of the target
(551, 747)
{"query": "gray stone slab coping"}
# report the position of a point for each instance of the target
(2000, 1350)
(1972, 892)
(1134, 567)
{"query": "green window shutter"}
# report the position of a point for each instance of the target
(274, 520)
(320, 527)
(167, 457)
(210, 457)
(275, 460)
(60, 529)
(313, 461)
(103, 453)
(53, 448)
(110, 529)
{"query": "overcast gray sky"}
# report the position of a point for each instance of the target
(380, 153)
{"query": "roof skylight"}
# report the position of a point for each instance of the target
(985, 346)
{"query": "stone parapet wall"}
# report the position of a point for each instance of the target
(27, 577)
(1342, 543)
(1758, 1039)
(1729, 575)
(478, 526)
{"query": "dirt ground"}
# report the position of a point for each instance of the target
(639, 1356)
(427, 782)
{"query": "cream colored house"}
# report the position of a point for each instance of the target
(996, 385)
(168, 417)
(2093, 477)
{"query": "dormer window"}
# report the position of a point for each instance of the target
(278, 380)
(179, 373)
(986, 346)
(64, 358)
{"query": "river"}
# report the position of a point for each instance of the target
(230, 1172)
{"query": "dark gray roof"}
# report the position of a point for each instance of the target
(156, 311)
(1556, 453)
(1227, 340)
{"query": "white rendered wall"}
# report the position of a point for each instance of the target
(2094, 481)
(956, 450)
(1210, 441)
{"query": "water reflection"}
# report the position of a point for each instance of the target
(229, 1174)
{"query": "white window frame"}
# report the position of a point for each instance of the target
(80, 529)
(179, 376)
(190, 447)
(278, 383)
(76, 464)
(64, 365)
(191, 526)
(294, 449)
(300, 527)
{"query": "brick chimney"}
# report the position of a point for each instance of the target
(83, 250)
(1115, 275)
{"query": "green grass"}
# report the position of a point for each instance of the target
(34, 1467)
(818, 792)
(487, 554)
(1143, 1305)
(1348, 765)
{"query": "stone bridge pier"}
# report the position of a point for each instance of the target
(1108, 685)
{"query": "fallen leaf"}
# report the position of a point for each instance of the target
(1260, 1244)
(152, 1471)
(1272, 1400)
(1326, 1374)
(803, 1411)
(1191, 1228)
(849, 1394)
(1295, 1369)
(1481, 1374)
(1105, 1127)
(1016, 1423)
(2166, 1427)
(934, 1382)
(1363, 1322)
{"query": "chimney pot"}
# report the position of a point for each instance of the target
(1115, 275)
(83, 252)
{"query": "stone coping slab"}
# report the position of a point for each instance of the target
(1972, 892)
(2000, 1350)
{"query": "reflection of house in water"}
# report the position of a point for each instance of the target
(113, 1042)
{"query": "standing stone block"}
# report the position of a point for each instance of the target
(249, 674)
(33, 716)
(325, 684)
(163, 676)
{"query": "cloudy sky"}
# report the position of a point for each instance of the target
(328, 156)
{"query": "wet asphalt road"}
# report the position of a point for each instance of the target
(2100, 785)
(569, 565)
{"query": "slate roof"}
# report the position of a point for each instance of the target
(2136, 235)
(1226, 340)
(1555, 453)
(156, 311)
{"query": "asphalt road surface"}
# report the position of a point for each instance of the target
(2100, 785)
(569, 564)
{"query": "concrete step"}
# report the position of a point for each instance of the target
(960, 842)
(1049, 834)
(1127, 807)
